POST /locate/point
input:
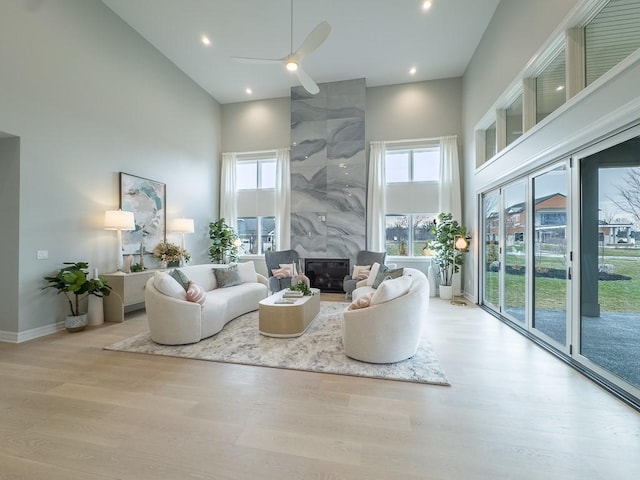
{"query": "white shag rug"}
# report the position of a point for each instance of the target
(319, 349)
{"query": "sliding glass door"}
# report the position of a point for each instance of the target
(514, 246)
(610, 261)
(491, 250)
(550, 252)
(561, 257)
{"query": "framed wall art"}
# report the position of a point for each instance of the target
(146, 199)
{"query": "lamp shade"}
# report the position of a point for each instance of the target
(183, 225)
(461, 243)
(118, 220)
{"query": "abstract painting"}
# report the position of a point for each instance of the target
(146, 199)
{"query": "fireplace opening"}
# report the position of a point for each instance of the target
(327, 274)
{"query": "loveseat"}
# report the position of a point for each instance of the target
(389, 331)
(174, 320)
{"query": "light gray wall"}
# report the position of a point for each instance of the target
(88, 98)
(257, 125)
(415, 110)
(9, 210)
(516, 31)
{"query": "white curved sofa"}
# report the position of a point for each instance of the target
(173, 321)
(387, 332)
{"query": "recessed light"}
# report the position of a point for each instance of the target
(426, 5)
(205, 40)
(248, 90)
(413, 70)
(559, 88)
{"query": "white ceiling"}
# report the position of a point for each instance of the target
(374, 39)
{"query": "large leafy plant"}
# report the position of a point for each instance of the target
(222, 237)
(445, 230)
(73, 281)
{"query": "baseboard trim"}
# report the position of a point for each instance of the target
(13, 337)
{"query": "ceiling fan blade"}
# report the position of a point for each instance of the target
(257, 60)
(306, 81)
(314, 39)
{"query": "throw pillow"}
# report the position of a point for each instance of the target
(196, 294)
(291, 267)
(181, 278)
(247, 272)
(361, 272)
(373, 273)
(361, 302)
(168, 285)
(227, 277)
(387, 275)
(390, 289)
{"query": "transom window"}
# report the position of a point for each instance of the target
(413, 165)
(252, 174)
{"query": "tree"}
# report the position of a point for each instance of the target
(629, 194)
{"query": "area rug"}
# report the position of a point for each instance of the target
(319, 349)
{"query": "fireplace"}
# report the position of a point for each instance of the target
(326, 274)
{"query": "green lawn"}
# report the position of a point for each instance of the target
(613, 296)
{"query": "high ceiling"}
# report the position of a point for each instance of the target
(379, 40)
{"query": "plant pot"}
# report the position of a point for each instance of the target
(76, 323)
(446, 292)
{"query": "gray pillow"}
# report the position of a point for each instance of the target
(227, 277)
(387, 275)
(181, 278)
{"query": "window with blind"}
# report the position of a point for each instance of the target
(412, 174)
(256, 182)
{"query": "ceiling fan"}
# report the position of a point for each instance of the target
(293, 61)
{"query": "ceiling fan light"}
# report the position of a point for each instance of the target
(292, 66)
(426, 5)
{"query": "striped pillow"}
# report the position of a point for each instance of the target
(280, 273)
(196, 294)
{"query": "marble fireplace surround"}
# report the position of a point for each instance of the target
(328, 170)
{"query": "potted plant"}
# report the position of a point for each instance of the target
(170, 255)
(445, 231)
(73, 281)
(222, 248)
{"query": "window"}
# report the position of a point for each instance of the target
(413, 165)
(257, 234)
(412, 187)
(490, 141)
(550, 87)
(611, 36)
(256, 181)
(514, 120)
(256, 173)
(407, 235)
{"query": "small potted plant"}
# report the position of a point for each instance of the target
(73, 281)
(170, 254)
(445, 231)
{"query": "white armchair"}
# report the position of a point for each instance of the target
(387, 332)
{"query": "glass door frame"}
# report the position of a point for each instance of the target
(566, 348)
(528, 252)
(576, 205)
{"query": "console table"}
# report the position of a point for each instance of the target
(127, 293)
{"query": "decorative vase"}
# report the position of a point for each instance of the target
(163, 264)
(431, 276)
(96, 311)
(446, 292)
(175, 263)
(76, 323)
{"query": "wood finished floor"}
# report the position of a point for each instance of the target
(71, 410)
